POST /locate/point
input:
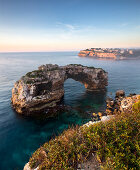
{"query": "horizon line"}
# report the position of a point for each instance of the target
(66, 50)
(37, 51)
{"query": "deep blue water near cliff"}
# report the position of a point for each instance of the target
(21, 136)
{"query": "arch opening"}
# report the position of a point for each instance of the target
(83, 102)
(73, 90)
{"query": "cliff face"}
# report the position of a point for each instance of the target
(90, 53)
(83, 53)
(110, 53)
(106, 55)
(43, 88)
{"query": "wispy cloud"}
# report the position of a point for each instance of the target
(82, 29)
(70, 27)
(68, 36)
(124, 24)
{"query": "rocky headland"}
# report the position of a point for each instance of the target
(110, 53)
(44, 88)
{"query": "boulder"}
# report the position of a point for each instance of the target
(120, 93)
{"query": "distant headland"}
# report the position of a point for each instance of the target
(111, 53)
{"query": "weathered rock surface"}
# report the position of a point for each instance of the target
(121, 103)
(27, 167)
(94, 53)
(43, 88)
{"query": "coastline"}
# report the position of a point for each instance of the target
(121, 104)
(103, 119)
(33, 132)
(110, 53)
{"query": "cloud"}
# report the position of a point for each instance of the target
(76, 29)
(124, 24)
(67, 35)
(69, 27)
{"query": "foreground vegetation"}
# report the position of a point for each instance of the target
(115, 143)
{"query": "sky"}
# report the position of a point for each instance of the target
(68, 25)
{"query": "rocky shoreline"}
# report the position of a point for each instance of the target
(121, 103)
(42, 89)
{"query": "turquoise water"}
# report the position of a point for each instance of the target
(21, 136)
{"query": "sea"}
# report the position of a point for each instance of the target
(20, 136)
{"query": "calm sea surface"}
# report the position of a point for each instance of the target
(21, 136)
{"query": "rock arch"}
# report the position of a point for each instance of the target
(43, 88)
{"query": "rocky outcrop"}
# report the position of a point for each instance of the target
(96, 54)
(121, 103)
(27, 167)
(43, 88)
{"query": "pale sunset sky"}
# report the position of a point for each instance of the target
(68, 25)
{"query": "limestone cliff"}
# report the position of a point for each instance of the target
(96, 54)
(43, 88)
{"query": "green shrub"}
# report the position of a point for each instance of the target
(136, 107)
(34, 74)
(115, 142)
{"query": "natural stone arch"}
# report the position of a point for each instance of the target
(44, 88)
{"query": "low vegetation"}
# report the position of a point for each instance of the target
(115, 144)
(34, 73)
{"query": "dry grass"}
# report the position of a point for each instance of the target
(115, 142)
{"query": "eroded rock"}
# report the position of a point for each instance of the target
(43, 88)
(121, 103)
(120, 93)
